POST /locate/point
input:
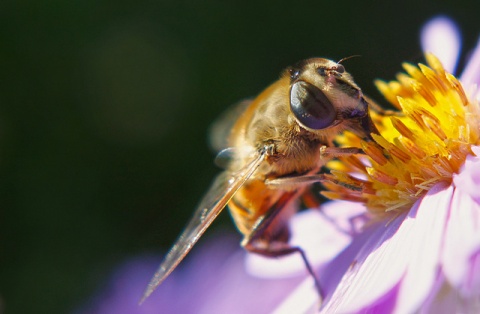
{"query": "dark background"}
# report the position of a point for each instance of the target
(105, 106)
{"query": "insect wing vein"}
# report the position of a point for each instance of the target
(222, 190)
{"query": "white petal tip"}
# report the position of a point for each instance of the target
(441, 37)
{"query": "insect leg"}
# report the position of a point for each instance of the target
(295, 181)
(303, 180)
(310, 200)
(281, 249)
(266, 241)
(329, 152)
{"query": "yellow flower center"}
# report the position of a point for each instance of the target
(424, 144)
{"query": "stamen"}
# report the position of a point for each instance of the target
(425, 93)
(412, 70)
(458, 88)
(402, 128)
(434, 125)
(433, 78)
(390, 90)
(382, 177)
(412, 148)
(355, 162)
(426, 144)
(397, 152)
(374, 152)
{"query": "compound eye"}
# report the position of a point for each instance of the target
(322, 71)
(311, 107)
(340, 68)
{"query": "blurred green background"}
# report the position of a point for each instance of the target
(105, 106)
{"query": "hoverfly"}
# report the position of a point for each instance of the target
(277, 144)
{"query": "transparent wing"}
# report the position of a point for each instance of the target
(221, 128)
(217, 197)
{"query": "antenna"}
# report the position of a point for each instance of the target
(346, 58)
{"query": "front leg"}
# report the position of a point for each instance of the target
(289, 182)
(262, 241)
(329, 152)
(295, 182)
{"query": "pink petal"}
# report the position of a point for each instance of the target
(425, 248)
(441, 37)
(374, 266)
(307, 295)
(304, 299)
(472, 284)
(469, 177)
(322, 234)
(443, 298)
(405, 249)
(385, 304)
(462, 239)
(446, 299)
(211, 280)
(471, 73)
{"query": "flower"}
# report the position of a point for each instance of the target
(212, 280)
(220, 277)
(420, 251)
(416, 249)
(332, 229)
